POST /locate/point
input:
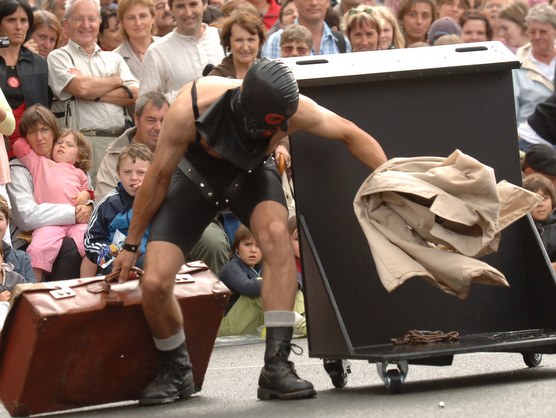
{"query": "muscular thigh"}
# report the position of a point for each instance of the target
(183, 216)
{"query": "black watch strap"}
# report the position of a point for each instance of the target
(130, 247)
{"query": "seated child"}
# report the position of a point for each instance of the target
(242, 274)
(543, 215)
(68, 167)
(8, 280)
(19, 261)
(109, 223)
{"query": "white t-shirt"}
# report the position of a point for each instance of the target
(174, 60)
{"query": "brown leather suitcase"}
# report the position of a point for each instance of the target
(79, 342)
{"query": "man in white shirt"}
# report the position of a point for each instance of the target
(181, 56)
(100, 81)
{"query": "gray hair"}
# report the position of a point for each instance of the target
(155, 97)
(69, 5)
(541, 13)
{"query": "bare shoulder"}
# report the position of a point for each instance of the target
(308, 114)
(209, 89)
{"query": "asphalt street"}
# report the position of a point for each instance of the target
(475, 385)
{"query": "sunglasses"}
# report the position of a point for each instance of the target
(367, 10)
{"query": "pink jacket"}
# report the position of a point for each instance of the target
(53, 182)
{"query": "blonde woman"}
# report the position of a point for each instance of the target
(391, 36)
(362, 27)
(137, 22)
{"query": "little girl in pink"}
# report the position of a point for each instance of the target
(60, 180)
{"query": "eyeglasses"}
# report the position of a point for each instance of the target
(354, 12)
(490, 6)
(290, 49)
(83, 19)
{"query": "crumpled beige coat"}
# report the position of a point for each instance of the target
(430, 216)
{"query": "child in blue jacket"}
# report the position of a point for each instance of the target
(110, 220)
(243, 276)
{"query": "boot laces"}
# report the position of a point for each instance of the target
(297, 350)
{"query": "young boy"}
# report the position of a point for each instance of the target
(242, 274)
(110, 220)
(543, 214)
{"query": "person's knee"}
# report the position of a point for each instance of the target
(156, 287)
(273, 236)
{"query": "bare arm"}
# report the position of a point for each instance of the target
(178, 130)
(317, 120)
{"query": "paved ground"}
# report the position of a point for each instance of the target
(476, 385)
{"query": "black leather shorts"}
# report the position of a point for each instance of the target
(188, 210)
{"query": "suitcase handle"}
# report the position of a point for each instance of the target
(134, 274)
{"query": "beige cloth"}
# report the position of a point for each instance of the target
(429, 216)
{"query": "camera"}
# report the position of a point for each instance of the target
(4, 42)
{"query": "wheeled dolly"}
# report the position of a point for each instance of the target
(414, 102)
(393, 374)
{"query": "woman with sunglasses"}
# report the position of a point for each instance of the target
(362, 27)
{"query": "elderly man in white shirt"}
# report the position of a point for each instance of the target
(100, 81)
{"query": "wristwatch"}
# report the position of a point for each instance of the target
(131, 248)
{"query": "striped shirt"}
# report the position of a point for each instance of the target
(92, 115)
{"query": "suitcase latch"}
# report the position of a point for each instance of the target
(63, 292)
(184, 278)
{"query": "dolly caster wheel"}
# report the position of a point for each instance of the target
(393, 381)
(393, 378)
(532, 359)
(338, 371)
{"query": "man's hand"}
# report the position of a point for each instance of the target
(282, 150)
(122, 265)
(83, 213)
(5, 296)
(75, 71)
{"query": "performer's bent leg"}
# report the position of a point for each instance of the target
(175, 378)
(278, 377)
(178, 224)
(163, 260)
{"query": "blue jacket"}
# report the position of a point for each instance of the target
(21, 262)
(240, 279)
(112, 213)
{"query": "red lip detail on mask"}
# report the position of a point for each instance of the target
(274, 119)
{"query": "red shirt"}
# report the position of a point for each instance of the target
(272, 14)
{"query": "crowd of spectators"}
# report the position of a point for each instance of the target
(110, 69)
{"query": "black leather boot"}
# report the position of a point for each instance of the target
(278, 377)
(174, 380)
